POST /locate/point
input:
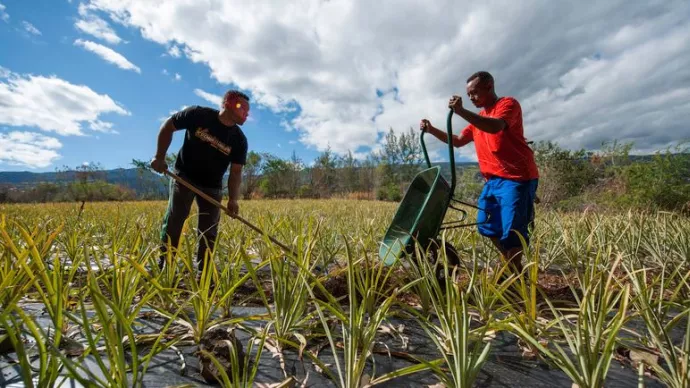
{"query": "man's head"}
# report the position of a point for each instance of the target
(236, 104)
(480, 89)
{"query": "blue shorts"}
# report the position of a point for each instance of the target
(510, 205)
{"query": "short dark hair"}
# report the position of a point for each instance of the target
(483, 76)
(234, 93)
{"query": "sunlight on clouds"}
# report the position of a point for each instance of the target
(93, 25)
(329, 59)
(210, 97)
(52, 104)
(107, 54)
(4, 16)
(101, 126)
(28, 149)
(98, 28)
(30, 28)
(174, 51)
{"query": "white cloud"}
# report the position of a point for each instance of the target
(329, 59)
(212, 98)
(30, 28)
(4, 16)
(107, 54)
(103, 127)
(52, 104)
(95, 26)
(174, 51)
(28, 149)
(98, 28)
(175, 77)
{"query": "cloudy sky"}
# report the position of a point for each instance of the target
(90, 81)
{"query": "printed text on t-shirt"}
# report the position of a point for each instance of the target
(203, 134)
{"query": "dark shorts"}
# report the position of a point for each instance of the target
(510, 205)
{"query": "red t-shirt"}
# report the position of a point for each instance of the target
(504, 154)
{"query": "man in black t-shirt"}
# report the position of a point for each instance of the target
(213, 142)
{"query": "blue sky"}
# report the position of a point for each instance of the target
(90, 81)
(148, 95)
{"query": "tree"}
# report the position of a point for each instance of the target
(400, 160)
(324, 173)
(251, 171)
(563, 173)
(295, 185)
(349, 181)
(276, 179)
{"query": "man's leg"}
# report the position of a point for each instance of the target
(489, 216)
(209, 217)
(497, 243)
(179, 203)
(516, 200)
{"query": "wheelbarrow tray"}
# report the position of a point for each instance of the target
(419, 215)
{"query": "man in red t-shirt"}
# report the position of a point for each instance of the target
(505, 160)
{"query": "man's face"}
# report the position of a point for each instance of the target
(239, 108)
(479, 93)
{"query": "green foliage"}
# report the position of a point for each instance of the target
(610, 178)
(99, 283)
(251, 170)
(563, 173)
(663, 182)
(470, 184)
(279, 177)
(85, 183)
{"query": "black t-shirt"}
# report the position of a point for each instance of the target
(209, 146)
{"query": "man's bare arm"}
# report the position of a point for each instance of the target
(458, 141)
(165, 136)
(234, 181)
(486, 124)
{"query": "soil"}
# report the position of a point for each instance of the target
(218, 341)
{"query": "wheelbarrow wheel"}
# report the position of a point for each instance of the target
(452, 257)
(451, 254)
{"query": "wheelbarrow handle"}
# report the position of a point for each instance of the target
(451, 151)
(225, 209)
(426, 154)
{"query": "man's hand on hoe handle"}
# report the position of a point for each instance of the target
(159, 165)
(228, 211)
(233, 207)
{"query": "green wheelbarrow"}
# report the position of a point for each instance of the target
(420, 215)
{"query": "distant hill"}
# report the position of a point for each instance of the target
(147, 181)
(27, 177)
(128, 177)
